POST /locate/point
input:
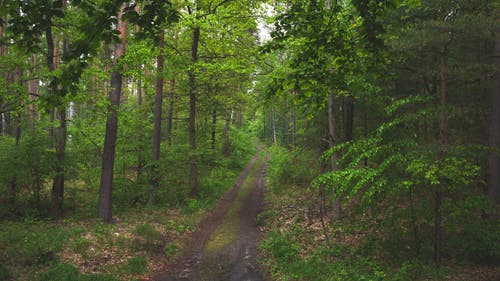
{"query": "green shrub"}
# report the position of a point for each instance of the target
(137, 265)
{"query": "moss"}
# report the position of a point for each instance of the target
(227, 231)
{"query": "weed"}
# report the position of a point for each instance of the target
(137, 265)
(171, 248)
(80, 246)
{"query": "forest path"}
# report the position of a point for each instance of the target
(223, 248)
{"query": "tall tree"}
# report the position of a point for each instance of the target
(108, 155)
(155, 158)
(494, 133)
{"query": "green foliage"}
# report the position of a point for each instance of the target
(28, 246)
(319, 264)
(137, 265)
(295, 167)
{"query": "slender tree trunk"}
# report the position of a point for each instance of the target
(33, 91)
(293, 122)
(193, 170)
(438, 195)
(273, 121)
(226, 149)
(214, 127)
(3, 52)
(332, 141)
(349, 118)
(494, 139)
(140, 159)
(13, 181)
(170, 113)
(57, 192)
(108, 156)
(155, 157)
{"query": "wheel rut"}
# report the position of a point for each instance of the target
(223, 248)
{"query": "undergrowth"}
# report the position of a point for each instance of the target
(368, 243)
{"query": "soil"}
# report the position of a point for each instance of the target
(223, 248)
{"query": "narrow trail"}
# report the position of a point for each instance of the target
(223, 248)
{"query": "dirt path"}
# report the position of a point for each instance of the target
(224, 246)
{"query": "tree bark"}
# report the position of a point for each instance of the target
(494, 138)
(108, 156)
(155, 157)
(57, 191)
(438, 194)
(170, 113)
(193, 170)
(349, 118)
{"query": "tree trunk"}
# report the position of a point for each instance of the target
(193, 170)
(293, 122)
(170, 113)
(226, 149)
(438, 196)
(349, 118)
(57, 192)
(140, 159)
(108, 156)
(13, 182)
(332, 139)
(214, 127)
(273, 121)
(33, 91)
(155, 157)
(494, 138)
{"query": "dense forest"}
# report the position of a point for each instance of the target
(280, 140)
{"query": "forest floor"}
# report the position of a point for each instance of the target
(224, 245)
